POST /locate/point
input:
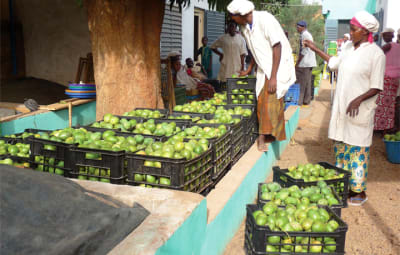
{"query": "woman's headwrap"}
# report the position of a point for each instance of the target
(241, 7)
(366, 21)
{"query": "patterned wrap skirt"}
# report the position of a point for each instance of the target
(270, 113)
(386, 101)
(354, 159)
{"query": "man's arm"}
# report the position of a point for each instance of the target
(220, 54)
(242, 61)
(276, 59)
(249, 68)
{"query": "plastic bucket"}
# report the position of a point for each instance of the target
(393, 151)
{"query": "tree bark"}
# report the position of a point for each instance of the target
(125, 37)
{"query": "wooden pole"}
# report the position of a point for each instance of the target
(70, 113)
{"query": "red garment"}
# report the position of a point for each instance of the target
(206, 90)
(384, 113)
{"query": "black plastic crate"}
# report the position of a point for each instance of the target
(256, 237)
(341, 185)
(14, 140)
(335, 208)
(182, 125)
(98, 165)
(193, 115)
(194, 175)
(19, 160)
(163, 112)
(237, 149)
(232, 83)
(253, 101)
(49, 156)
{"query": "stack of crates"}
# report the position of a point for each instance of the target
(241, 91)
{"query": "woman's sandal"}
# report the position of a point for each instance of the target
(357, 201)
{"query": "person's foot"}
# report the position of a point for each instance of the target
(357, 199)
(261, 145)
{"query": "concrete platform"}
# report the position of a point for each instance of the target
(187, 223)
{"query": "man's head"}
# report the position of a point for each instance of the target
(346, 37)
(301, 26)
(232, 28)
(204, 40)
(241, 11)
(189, 62)
(387, 35)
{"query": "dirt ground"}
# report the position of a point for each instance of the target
(374, 228)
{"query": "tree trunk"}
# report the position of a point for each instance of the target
(125, 37)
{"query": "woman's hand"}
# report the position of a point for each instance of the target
(244, 72)
(352, 109)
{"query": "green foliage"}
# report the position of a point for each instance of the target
(312, 14)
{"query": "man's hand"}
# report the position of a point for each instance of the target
(221, 56)
(243, 73)
(352, 109)
(271, 85)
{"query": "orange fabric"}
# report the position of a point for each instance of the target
(270, 113)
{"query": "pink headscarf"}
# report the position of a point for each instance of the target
(366, 21)
(355, 22)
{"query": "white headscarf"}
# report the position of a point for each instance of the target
(368, 21)
(241, 7)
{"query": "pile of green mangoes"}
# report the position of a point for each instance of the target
(145, 113)
(312, 173)
(321, 194)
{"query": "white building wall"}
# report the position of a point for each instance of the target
(188, 26)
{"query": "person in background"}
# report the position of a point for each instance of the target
(304, 65)
(346, 41)
(385, 112)
(180, 76)
(397, 111)
(234, 52)
(398, 35)
(275, 67)
(194, 71)
(360, 79)
(376, 38)
(206, 57)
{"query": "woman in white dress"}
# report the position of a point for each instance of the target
(361, 70)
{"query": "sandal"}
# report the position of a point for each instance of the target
(357, 201)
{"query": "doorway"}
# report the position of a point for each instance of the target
(198, 30)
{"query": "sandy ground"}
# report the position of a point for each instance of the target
(374, 228)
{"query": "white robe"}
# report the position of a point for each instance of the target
(233, 47)
(265, 33)
(359, 71)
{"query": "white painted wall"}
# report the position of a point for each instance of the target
(391, 16)
(188, 25)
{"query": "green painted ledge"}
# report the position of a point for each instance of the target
(187, 238)
(193, 238)
(83, 114)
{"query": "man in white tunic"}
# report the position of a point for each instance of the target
(234, 52)
(305, 63)
(275, 67)
(360, 79)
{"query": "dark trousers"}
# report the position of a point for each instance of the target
(303, 75)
